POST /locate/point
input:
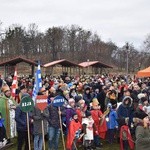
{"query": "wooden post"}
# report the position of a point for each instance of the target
(61, 128)
(43, 133)
(28, 131)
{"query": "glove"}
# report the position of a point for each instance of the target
(127, 120)
(42, 116)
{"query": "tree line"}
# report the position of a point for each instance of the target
(70, 42)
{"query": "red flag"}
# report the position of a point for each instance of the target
(14, 85)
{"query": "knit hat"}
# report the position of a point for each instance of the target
(87, 88)
(113, 103)
(140, 114)
(74, 113)
(112, 94)
(78, 98)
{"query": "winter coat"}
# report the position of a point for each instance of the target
(96, 115)
(21, 119)
(142, 138)
(38, 117)
(54, 120)
(112, 119)
(126, 135)
(125, 111)
(69, 112)
(72, 130)
(101, 99)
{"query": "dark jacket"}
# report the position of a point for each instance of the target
(38, 117)
(125, 111)
(101, 99)
(88, 98)
(21, 119)
(54, 120)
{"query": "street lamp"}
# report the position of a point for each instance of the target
(127, 49)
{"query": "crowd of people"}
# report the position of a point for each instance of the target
(114, 108)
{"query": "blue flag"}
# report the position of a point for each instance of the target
(37, 83)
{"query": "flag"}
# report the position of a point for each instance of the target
(14, 84)
(37, 83)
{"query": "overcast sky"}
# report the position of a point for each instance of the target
(117, 20)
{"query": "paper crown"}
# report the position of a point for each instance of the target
(65, 92)
(5, 88)
(95, 102)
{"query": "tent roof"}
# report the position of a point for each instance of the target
(17, 60)
(96, 64)
(144, 73)
(63, 62)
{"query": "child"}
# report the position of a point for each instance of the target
(3, 140)
(99, 122)
(112, 124)
(88, 128)
(126, 140)
(70, 110)
(73, 130)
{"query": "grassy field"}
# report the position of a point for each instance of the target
(106, 146)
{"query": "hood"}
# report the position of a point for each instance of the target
(130, 101)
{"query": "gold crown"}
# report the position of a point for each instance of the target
(5, 88)
(95, 102)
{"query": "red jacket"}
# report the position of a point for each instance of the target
(73, 127)
(96, 114)
(125, 128)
